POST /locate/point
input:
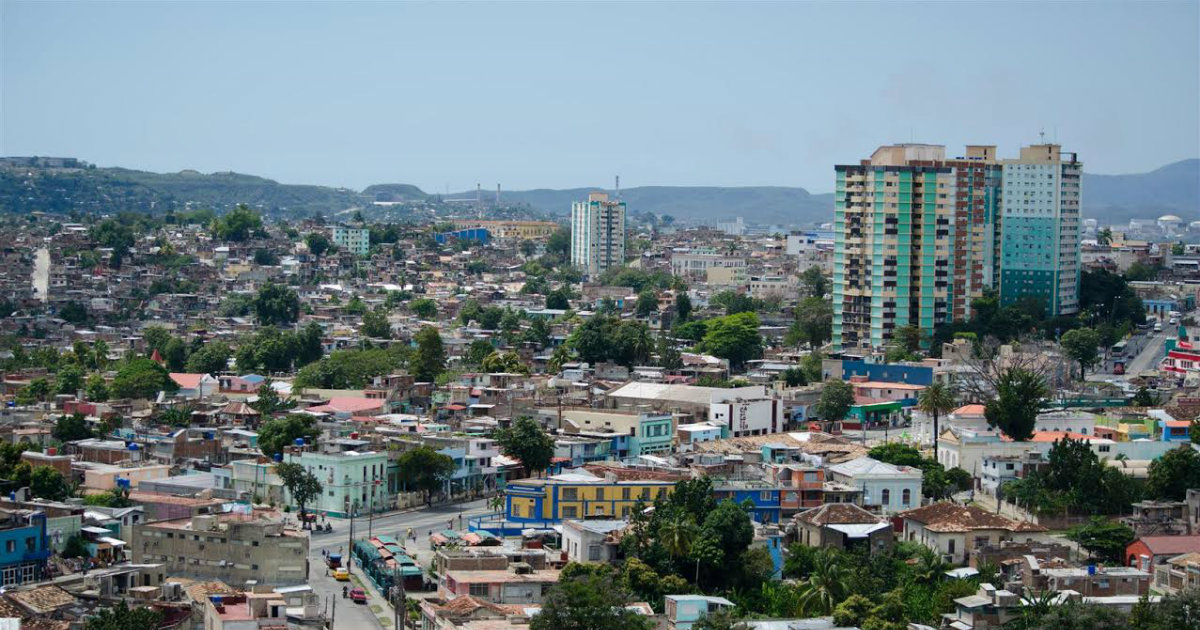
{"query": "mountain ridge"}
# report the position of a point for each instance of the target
(30, 184)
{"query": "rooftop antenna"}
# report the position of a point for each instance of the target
(1042, 135)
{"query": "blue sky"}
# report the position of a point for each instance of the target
(569, 94)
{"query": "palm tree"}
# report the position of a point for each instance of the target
(676, 535)
(935, 400)
(1104, 237)
(929, 566)
(826, 586)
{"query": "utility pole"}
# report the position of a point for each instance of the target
(350, 542)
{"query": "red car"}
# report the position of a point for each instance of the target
(358, 595)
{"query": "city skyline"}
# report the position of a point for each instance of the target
(444, 96)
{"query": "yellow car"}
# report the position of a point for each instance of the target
(341, 574)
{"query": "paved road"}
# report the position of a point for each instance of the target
(353, 616)
(1148, 358)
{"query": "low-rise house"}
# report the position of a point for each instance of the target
(24, 546)
(683, 611)
(517, 584)
(195, 386)
(954, 530)
(886, 487)
(1178, 574)
(1148, 552)
(591, 541)
(843, 526)
(231, 547)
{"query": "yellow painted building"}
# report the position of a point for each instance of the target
(532, 230)
(575, 497)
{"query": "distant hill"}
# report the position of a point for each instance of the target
(759, 204)
(1172, 189)
(27, 189)
(66, 184)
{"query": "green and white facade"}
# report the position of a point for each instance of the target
(597, 234)
(1040, 255)
(918, 237)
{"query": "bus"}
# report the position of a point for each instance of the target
(1118, 349)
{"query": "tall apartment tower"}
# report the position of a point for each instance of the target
(1041, 228)
(916, 238)
(597, 234)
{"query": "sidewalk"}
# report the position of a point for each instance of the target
(379, 604)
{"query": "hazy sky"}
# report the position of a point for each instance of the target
(562, 95)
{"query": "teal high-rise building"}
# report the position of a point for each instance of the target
(1040, 256)
(916, 239)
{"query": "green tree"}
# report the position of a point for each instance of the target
(238, 224)
(937, 400)
(559, 299)
(71, 428)
(212, 358)
(276, 305)
(301, 485)
(141, 378)
(73, 312)
(1082, 345)
(631, 343)
(268, 402)
(317, 243)
(1104, 236)
(309, 344)
(588, 602)
(669, 357)
(813, 324)
(720, 619)
(478, 350)
(813, 283)
(424, 308)
(896, 454)
(837, 397)
(733, 337)
(527, 442)
(1104, 539)
(96, 388)
(279, 433)
(504, 362)
(647, 303)
(47, 483)
(676, 534)
(1172, 612)
(852, 611)
(425, 470)
(69, 379)
(683, 306)
(908, 338)
(734, 302)
(376, 326)
(1172, 474)
(826, 586)
(122, 617)
(1018, 399)
(538, 333)
(559, 243)
(429, 360)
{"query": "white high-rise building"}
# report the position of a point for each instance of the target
(597, 234)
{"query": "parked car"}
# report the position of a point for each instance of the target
(358, 595)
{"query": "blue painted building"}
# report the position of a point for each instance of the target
(888, 372)
(479, 235)
(24, 546)
(764, 497)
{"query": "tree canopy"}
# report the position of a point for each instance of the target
(276, 305)
(527, 442)
(733, 337)
(277, 434)
(425, 470)
(141, 378)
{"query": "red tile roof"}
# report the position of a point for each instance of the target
(1168, 545)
